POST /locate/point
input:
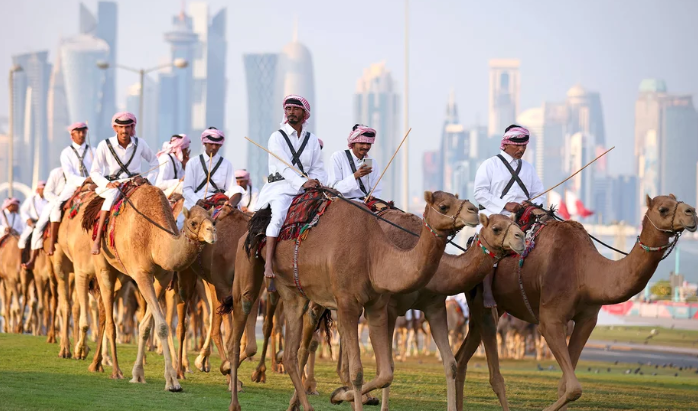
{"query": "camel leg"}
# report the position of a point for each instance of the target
(7, 297)
(583, 327)
(308, 372)
(42, 303)
(53, 304)
(439, 331)
(489, 340)
(81, 288)
(310, 322)
(202, 361)
(468, 347)
(187, 288)
(259, 374)
(348, 317)
(25, 278)
(106, 279)
(251, 346)
(76, 310)
(553, 329)
(100, 349)
(171, 303)
(63, 291)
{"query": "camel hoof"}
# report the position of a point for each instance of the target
(235, 407)
(180, 375)
(294, 407)
(96, 367)
(278, 368)
(118, 375)
(260, 375)
(202, 363)
(225, 367)
(51, 339)
(64, 353)
(240, 386)
(174, 388)
(338, 393)
(310, 387)
(370, 400)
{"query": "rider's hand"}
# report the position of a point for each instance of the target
(311, 184)
(512, 207)
(363, 171)
(112, 184)
(30, 222)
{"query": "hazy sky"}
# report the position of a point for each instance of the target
(606, 46)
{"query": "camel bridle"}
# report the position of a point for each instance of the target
(454, 230)
(672, 233)
(486, 249)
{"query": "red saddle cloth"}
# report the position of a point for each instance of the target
(304, 213)
(127, 189)
(217, 201)
(526, 219)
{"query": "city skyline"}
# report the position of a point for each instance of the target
(610, 67)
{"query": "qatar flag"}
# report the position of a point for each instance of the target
(575, 205)
(555, 199)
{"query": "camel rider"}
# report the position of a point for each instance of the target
(11, 222)
(209, 173)
(249, 199)
(349, 173)
(503, 183)
(300, 148)
(176, 154)
(76, 160)
(30, 211)
(117, 160)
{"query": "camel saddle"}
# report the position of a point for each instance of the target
(526, 217)
(378, 206)
(304, 213)
(72, 206)
(91, 216)
(217, 202)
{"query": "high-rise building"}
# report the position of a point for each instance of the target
(263, 112)
(57, 113)
(455, 155)
(294, 75)
(623, 198)
(176, 86)
(208, 68)
(503, 95)
(31, 144)
(377, 104)
(534, 120)
(431, 171)
(149, 122)
(652, 91)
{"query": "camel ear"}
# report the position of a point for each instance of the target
(672, 196)
(186, 212)
(512, 217)
(484, 220)
(648, 200)
(210, 211)
(456, 195)
(429, 197)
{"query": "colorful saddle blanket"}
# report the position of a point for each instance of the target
(304, 213)
(91, 216)
(217, 202)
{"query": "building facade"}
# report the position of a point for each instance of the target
(503, 94)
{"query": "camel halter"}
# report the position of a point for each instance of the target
(454, 229)
(486, 251)
(672, 233)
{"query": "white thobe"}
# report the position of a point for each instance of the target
(105, 165)
(249, 199)
(54, 187)
(493, 176)
(341, 176)
(279, 194)
(75, 174)
(12, 220)
(170, 171)
(195, 176)
(31, 209)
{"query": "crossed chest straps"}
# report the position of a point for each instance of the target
(353, 170)
(296, 155)
(124, 167)
(514, 177)
(174, 165)
(210, 174)
(81, 158)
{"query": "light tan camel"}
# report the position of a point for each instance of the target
(346, 264)
(10, 276)
(499, 236)
(149, 251)
(565, 278)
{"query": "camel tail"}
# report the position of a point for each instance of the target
(256, 228)
(326, 319)
(91, 213)
(226, 306)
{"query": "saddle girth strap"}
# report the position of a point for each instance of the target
(209, 173)
(353, 170)
(514, 177)
(296, 155)
(124, 167)
(83, 169)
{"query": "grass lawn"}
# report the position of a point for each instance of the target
(32, 377)
(640, 334)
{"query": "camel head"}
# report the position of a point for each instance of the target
(501, 234)
(446, 214)
(669, 214)
(198, 225)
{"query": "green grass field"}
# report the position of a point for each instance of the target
(32, 377)
(639, 334)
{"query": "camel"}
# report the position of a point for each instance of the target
(347, 264)
(148, 247)
(457, 324)
(565, 278)
(10, 275)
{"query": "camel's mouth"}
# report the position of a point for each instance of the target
(519, 247)
(692, 228)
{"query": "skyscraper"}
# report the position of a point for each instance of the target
(504, 94)
(455, 144)
(263, 112)
(294, 75)
(176, 87)
(377, 104)
(30, 116)
(208, 68)
(57, 113)
(150, 111)
(647, 111)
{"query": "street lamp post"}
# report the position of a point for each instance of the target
(11, 133)
(179, 63)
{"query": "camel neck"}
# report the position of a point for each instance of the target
(460, 273)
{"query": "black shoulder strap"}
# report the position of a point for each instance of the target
(514, 177)
(210, 176)
(65, 179)
(296, 156)
(249, 200)
(83, 169)
(353, 170)
(124, 168)
(174, 165)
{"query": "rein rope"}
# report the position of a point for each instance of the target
(148, 219)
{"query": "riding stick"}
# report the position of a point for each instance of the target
(208, 176)
(577, 172)
(388, 165)
(280, 159)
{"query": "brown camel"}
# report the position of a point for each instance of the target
(499, 236)
(565, 278)
(149, 251)
(347, 276)
(10, 275)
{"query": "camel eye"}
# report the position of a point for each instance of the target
(497, 230)
(193, 223)
(443, 207)
(663, 210)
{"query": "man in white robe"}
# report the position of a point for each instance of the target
(349, 172)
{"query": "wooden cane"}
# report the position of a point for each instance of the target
(577, 172)
(388, 165)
